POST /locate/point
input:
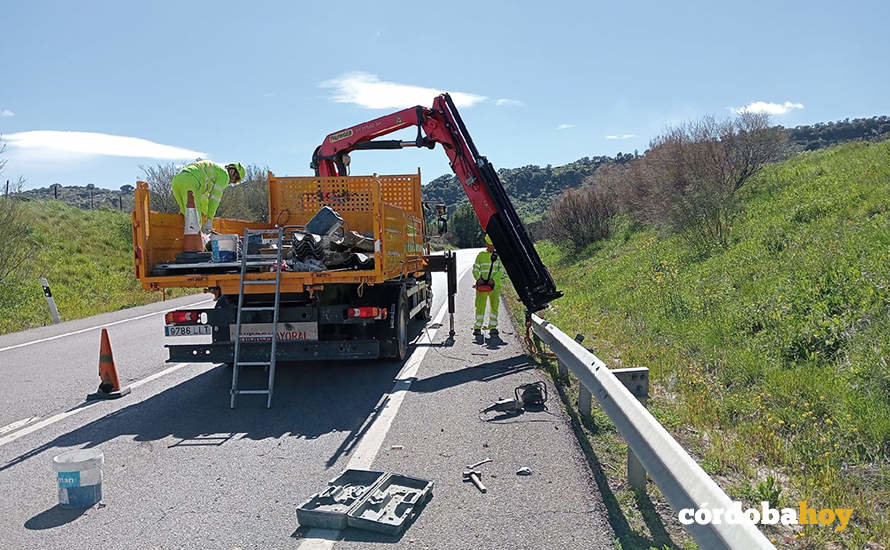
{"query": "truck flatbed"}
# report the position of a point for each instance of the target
(387, 207)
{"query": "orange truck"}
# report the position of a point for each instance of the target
(342, 313)
(332, 314)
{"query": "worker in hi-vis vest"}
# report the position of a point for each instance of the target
(487, 271)
(207, 181)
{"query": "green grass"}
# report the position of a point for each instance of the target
(87, 257)
(769, 359)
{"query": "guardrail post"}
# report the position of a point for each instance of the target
(561, 369)
(637, 381)
(585, 400)
(681, 479)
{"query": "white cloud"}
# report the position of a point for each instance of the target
(6, 112)
(505, 102)
(51, 144)
(368, 91)
(621, 136)
(565, 126)
(767, 107)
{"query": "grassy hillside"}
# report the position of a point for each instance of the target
(533, 188)
(83, 196)
(87, 257)
(770, 359)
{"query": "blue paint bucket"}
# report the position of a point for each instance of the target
(79, 475)
(224, 248)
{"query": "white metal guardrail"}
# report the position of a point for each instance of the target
(682, 481)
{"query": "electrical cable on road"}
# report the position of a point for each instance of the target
(530, 397)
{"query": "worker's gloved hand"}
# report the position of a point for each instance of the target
(207, 227)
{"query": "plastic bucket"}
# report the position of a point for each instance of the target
(224, 247)
(79, 475)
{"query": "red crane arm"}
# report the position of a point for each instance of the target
(442, 124)
(328, 155)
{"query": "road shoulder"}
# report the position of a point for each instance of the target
(438, 432)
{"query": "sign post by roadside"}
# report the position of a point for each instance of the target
(50, 301)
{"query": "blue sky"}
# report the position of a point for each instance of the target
(544, 82)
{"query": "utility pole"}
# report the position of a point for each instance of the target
(7, 188)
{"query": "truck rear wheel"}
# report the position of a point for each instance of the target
(395, 346)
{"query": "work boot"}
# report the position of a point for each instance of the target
(477, 332)
(493, 332)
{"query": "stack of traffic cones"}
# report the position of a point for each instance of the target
(192, 244)
(109, 385)
(191, 238)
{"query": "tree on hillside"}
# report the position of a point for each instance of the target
(15, 248)
(250, 199)
(824, 134)
(158, 178)
(690, 178)
(464, 230)
(126, 197)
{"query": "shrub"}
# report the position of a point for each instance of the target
(689, 179)
(15, 245)
(579, 217)
(158, 178)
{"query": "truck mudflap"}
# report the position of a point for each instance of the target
(222, 352)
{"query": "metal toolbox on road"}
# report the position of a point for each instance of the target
(363, 499)
(328, 508)
(390, 506)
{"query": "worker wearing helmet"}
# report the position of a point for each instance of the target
(207, 181)
(487, 271)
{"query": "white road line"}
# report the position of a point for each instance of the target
(44, 423)
(101, 326)
(71, 412)
(17, 424)
(369, 445)
(155, 376)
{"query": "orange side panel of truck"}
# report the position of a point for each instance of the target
(387, 207)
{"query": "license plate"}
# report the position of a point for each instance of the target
(189, 330)
(287, 332)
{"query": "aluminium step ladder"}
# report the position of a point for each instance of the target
(254, 260)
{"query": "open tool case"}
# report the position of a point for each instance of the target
(374, 501)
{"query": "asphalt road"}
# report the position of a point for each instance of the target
(182, 470)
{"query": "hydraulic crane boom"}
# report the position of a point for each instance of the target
(442, 124)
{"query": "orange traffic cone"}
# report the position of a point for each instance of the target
(191, 238)
(109, 385)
